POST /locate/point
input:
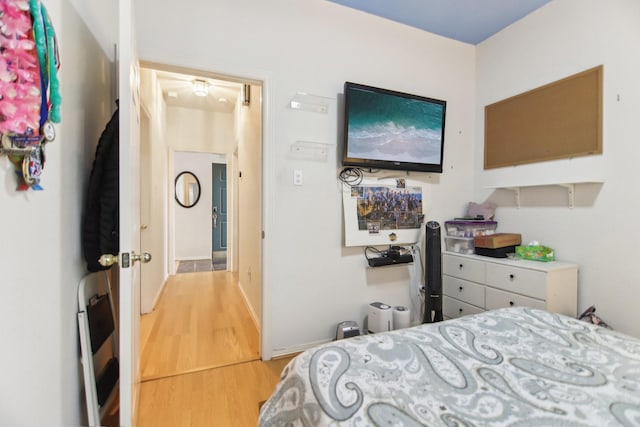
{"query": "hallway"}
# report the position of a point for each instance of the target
(200, 356)
(201, 321)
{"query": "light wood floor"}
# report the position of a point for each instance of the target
(226, 397)
(200, 321)
(200, 356)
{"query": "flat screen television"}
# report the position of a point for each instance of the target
(385, 129)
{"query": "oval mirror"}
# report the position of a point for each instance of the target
(187, 189)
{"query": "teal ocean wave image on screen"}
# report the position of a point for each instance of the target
(392, 128)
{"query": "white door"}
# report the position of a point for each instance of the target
(129, 96)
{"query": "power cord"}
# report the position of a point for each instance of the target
(417, 289)
(416, 248)
(377, 251)
(351, 176)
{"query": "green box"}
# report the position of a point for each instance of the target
(535, 253)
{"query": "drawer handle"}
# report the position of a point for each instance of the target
(512, 276)
(460, 288)
(460, 266)
(459, 310)
(511, 303)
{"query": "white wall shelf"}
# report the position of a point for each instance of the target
(310, 150)
(569, 186)
(308, 102)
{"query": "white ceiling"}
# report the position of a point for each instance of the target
(469, 21)
(177, 90)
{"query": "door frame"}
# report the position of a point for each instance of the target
(145, 215)
(265, 79)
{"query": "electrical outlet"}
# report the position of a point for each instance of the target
(297, 177)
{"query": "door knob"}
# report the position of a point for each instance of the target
(107, 260)
(145, 257)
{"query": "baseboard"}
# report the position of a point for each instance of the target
(279, 352)
(159, 293)
(193, 258)
(252, 313)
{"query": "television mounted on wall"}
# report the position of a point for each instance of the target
(385, 129)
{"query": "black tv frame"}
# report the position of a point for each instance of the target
(389, 164)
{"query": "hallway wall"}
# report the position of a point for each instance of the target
(193, 137)
(250, 185)
(155, 238)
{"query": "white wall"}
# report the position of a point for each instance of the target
(155, 190)
(563, 38)
(202, 131)
(311, 281)
(99, 18)
(249, 134)
(41, 255)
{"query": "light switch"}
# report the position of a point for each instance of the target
(297, 177)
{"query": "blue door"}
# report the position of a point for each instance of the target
(219, 208)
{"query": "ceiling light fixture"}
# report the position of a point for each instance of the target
(200, 88)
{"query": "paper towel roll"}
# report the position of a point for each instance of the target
(401, 317)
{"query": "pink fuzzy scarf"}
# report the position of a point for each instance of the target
(20, 96)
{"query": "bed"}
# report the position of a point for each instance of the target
(509, 367)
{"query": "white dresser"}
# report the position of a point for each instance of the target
(473, 283)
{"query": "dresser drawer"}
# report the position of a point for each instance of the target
(463, 290)
(522, 281)
(500, 299)
(464, 268)
(453, 308)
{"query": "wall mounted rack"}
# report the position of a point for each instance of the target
(569, 186)
(308, 102)
(309, 150)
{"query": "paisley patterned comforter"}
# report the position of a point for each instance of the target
(508, 367)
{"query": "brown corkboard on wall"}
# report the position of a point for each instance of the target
(560, 120)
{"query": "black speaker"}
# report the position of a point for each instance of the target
(433, 278)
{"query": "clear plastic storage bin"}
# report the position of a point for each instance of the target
(461, 245)
(470, 228)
